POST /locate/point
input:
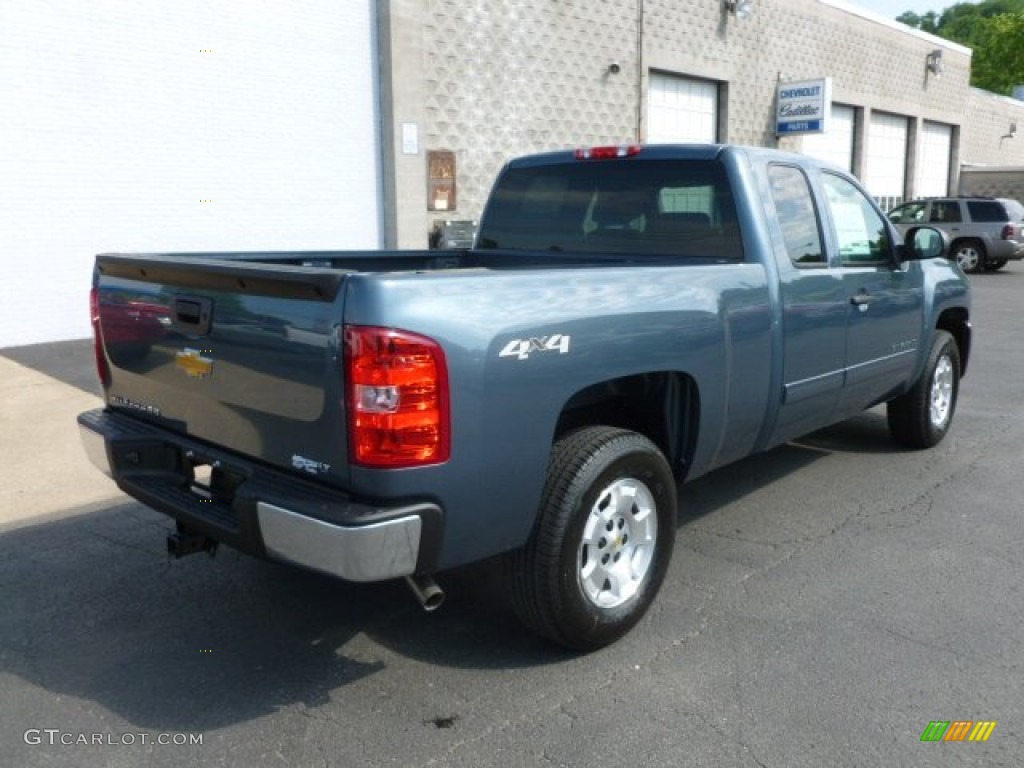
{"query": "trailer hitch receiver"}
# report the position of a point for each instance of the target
(185, 541)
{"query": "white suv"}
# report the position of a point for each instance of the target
(985, 232)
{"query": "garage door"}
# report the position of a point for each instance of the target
(157, 126)
(836, 144)
(885, 172)
(681, 109)
(933, 158)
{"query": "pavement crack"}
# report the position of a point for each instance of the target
(726, 736)
(959, 654)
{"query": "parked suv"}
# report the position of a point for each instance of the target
(985, 232)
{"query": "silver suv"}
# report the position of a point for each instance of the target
(985, 232)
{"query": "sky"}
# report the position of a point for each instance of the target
(893, 8)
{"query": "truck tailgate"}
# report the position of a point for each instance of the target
(246, 356)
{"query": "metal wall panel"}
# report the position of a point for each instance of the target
(157, 126)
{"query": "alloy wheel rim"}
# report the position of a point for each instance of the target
(942, 392)
(617, 547)
(968, 258)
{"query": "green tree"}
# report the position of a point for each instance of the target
(998, 62)
(927, 22)
(993, 29)
(984, 9)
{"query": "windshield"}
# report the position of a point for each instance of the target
(629, 206)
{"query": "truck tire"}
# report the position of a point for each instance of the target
(602, 541)
(921, 417)
(994, 265)
(969, 254)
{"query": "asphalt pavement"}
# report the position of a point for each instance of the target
(827, 602)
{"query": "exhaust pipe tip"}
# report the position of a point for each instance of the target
(426, 591)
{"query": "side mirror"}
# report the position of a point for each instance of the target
(922, 243)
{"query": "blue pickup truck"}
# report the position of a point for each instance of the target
(629, 318)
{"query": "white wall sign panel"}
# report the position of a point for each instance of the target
(148, 125)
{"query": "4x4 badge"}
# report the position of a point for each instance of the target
(521, 348)
(192, 362)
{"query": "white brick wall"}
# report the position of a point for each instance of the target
(120, 119)
(506, 77)
(509, 77)
(985, 137)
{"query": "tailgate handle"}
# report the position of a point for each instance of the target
(192, 314)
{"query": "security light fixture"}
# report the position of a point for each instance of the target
(934, 62)
(741, 9)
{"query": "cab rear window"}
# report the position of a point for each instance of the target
(664, 207)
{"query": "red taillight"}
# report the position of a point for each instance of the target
(102, 368)
(1008, 232)
(397, 384)
(608, 153)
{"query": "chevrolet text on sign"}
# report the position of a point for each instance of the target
(803, 107)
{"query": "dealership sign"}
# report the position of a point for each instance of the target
(803, 107)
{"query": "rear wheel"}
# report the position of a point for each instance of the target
(969, 254)
(922, 417)
(602, 541)
(994, 265)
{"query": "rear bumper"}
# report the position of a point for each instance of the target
(261, 510)
(1006, 250)
(370, 552)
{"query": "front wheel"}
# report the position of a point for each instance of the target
(994, 265)
(922, 417)
(602, 541)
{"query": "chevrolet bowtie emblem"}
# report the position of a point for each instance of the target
(192, 362)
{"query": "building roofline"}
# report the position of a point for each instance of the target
(864, 13)
(1008, 100)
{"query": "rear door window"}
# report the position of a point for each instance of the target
(797, 216)
(946, 212)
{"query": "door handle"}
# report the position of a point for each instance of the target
(192, 314)
(861, 299)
